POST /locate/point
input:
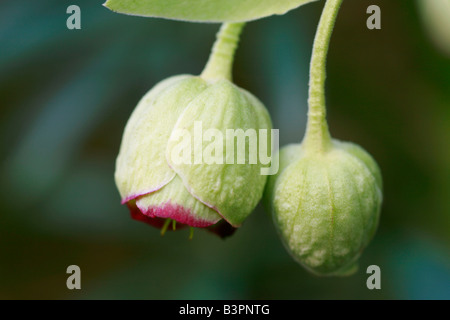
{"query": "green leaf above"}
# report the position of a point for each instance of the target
(205, 10)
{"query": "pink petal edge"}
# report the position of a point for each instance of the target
(176, 212)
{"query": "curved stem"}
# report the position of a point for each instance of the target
(221, 59)
(317, 138)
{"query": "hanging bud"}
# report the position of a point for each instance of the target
(327, 195)
(326, 206)
(172, 163)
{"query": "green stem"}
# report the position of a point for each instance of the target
(220, 61)
(317, 138)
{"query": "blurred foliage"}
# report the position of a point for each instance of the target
(67, 94)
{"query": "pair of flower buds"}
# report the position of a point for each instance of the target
(325, 198)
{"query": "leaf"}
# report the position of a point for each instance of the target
(205, 10)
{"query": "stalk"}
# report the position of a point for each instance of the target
(317, 138)
(220, 62)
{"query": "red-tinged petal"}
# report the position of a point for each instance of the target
(176, 212)
(221, 228)
(173, 201)
(156, 222)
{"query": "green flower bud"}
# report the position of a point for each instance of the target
(327, 195)
(326, 206)
(198, 193)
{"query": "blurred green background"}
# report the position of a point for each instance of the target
(66, 95)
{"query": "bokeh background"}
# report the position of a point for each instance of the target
(65, 96)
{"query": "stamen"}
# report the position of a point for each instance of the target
(165, 226)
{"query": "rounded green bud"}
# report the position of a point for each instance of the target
(159, 170)
(184, 157)
(326, 205)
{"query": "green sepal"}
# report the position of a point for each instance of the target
(232, 189)
(141, 166)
